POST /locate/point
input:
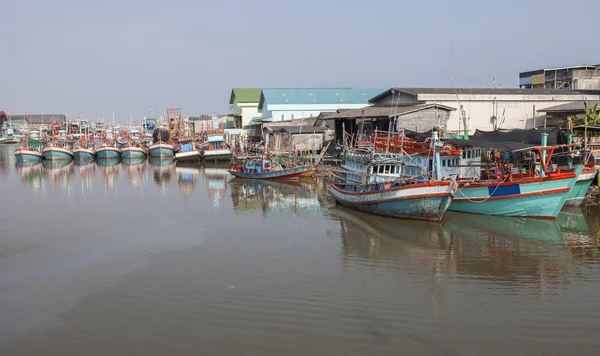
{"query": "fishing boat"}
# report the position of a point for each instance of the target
(215, 149)
(107, 152)
(263, 168)
(85, 151)
(30, 151)
(374, 183)
(133, 152)
(581, 187)
(7, 133)
(187, 151)
(508, 192)
(57, 149)
(161, 150)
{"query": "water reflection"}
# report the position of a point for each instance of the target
(186, 179)
(273, 196)
(110, 171)
(135, 168)
(5, 156)
(162, 172)
(31, 174)
(215, 180)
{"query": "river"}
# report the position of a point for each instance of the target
(156, 259)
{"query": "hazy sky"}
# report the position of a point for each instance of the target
(78, 56)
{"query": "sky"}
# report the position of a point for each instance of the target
(93, 58)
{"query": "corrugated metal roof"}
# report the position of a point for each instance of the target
(476, 91)
(318, 96)
(385, 111)
(245, 95)
(570, 107)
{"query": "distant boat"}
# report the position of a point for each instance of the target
(52, 153)
(263, 169)
(83, 154)
(107, 152)
(25, 154)
(133, 152)
(187, 151)
(161, 150)
(215, 148)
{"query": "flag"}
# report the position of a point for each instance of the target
(570, 126)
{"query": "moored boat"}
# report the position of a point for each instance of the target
(133, 152)
(264, 169)
(187, 151)
(215, 149)
(161, 150)
(581, 187)
(107, 152)
(83, 154)
(28, 154)
(52, 153)
(375, 183)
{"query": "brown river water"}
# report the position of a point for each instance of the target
(152, 259)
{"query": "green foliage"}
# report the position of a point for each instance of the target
(591, 117)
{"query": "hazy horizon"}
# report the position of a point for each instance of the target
(129, 57)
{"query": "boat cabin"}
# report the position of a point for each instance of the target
(258, 166)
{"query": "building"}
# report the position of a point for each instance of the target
(484, 108)
(558, 115)
(300, 134)
(243, 103)
(39, 122)
(575, 77)
(289, 104)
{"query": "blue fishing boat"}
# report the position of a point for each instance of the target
(133, 152)
(373, 183)
(264, 169)
(57, 153)
(108, 152)
(161, 150)
(83, 154)
(187, 151)
(581, 187)
(30, 151)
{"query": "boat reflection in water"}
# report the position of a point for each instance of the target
(578, 233)
(509, 251)
(110, 170)
(87, 173)
(135, 168)
(31, 174)
(162, 171)
(59, 171)
(250, 195)
(186, 178)
(216, 180)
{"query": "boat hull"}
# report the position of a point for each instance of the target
(216, 155)
(309, 173)
(83, 154)
(536, 198)
(133, 153)
(161, 150)
(581, 187)
(26, 155)
(190, 156)
(57, 153)
(294, 173)
(425, 201)
(108, 153)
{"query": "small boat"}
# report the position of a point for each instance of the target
(263, 169)
(215, 149)
(7, 133)
(187, 151)
(30, 151)
(83, 154)
(580, 189)
(133, 152)
(161, 150)
(107, 152)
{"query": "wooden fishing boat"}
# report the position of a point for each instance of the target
(133, 152)
(161, 150)
(187, 151)
(107, 152)
(57, 153)
(83, 154)
(215, 149)
(264, 169)
(581, 187)
(419, 201)
(30, 151)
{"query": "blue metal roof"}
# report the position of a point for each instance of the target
(306, 96)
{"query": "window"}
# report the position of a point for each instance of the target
(469, 154)
(464, 154)
(292, 116)
(443, 163)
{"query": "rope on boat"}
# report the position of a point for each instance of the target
(480, 201)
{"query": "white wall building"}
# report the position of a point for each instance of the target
(290, 104)
(243, 102)
(486, 109)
